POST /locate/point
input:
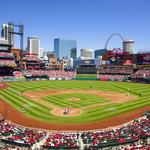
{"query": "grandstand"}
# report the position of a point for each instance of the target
(31, 62)
(8, 65)
(132, 135)
(48, 74)
(7, 62)
(122, 66)
(114, 72)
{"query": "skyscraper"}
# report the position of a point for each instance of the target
(33, 44)
(65, 48)
(4, 32)
(73, 53)
(10, 34)
(128, 46)
(99, 52)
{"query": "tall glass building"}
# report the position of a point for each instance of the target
(99, 52)
(65, 48)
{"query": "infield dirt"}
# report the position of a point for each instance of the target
(113, 96)
(19, 118)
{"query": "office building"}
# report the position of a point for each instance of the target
(64, 48)
(33, 45)
(7, 33)
(74, 53)
(128, 46)
(99, 52)
(8, 36)
(4, 32)
(86, 53)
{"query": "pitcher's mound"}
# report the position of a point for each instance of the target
(74, 99)
(66, 112)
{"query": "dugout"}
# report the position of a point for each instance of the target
(31, 78)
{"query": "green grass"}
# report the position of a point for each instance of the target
(62, 100)
(86, 76)
(38, 111)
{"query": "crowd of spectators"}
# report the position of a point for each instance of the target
(51, 74)
(131, 136)
(7, 59)
(122, 73)
(7, 63)
(142, 73)
(62, 140)
(134, 131)
(14, 134)
(141, 144)
(31, 57)
(33, 67)
(28, 137)
(122, 70)
(106, 77)
(6, 55)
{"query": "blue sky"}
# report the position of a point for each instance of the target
(90, 22)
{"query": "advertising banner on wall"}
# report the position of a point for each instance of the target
(128, 62)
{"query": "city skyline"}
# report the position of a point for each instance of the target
(90, 22)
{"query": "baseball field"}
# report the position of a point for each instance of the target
(73, 105)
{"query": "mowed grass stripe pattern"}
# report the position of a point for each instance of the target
(41, 112)
(64, 100)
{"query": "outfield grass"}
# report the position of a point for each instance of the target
(82, 76)
(41, 112)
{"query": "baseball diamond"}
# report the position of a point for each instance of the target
(73, 105)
